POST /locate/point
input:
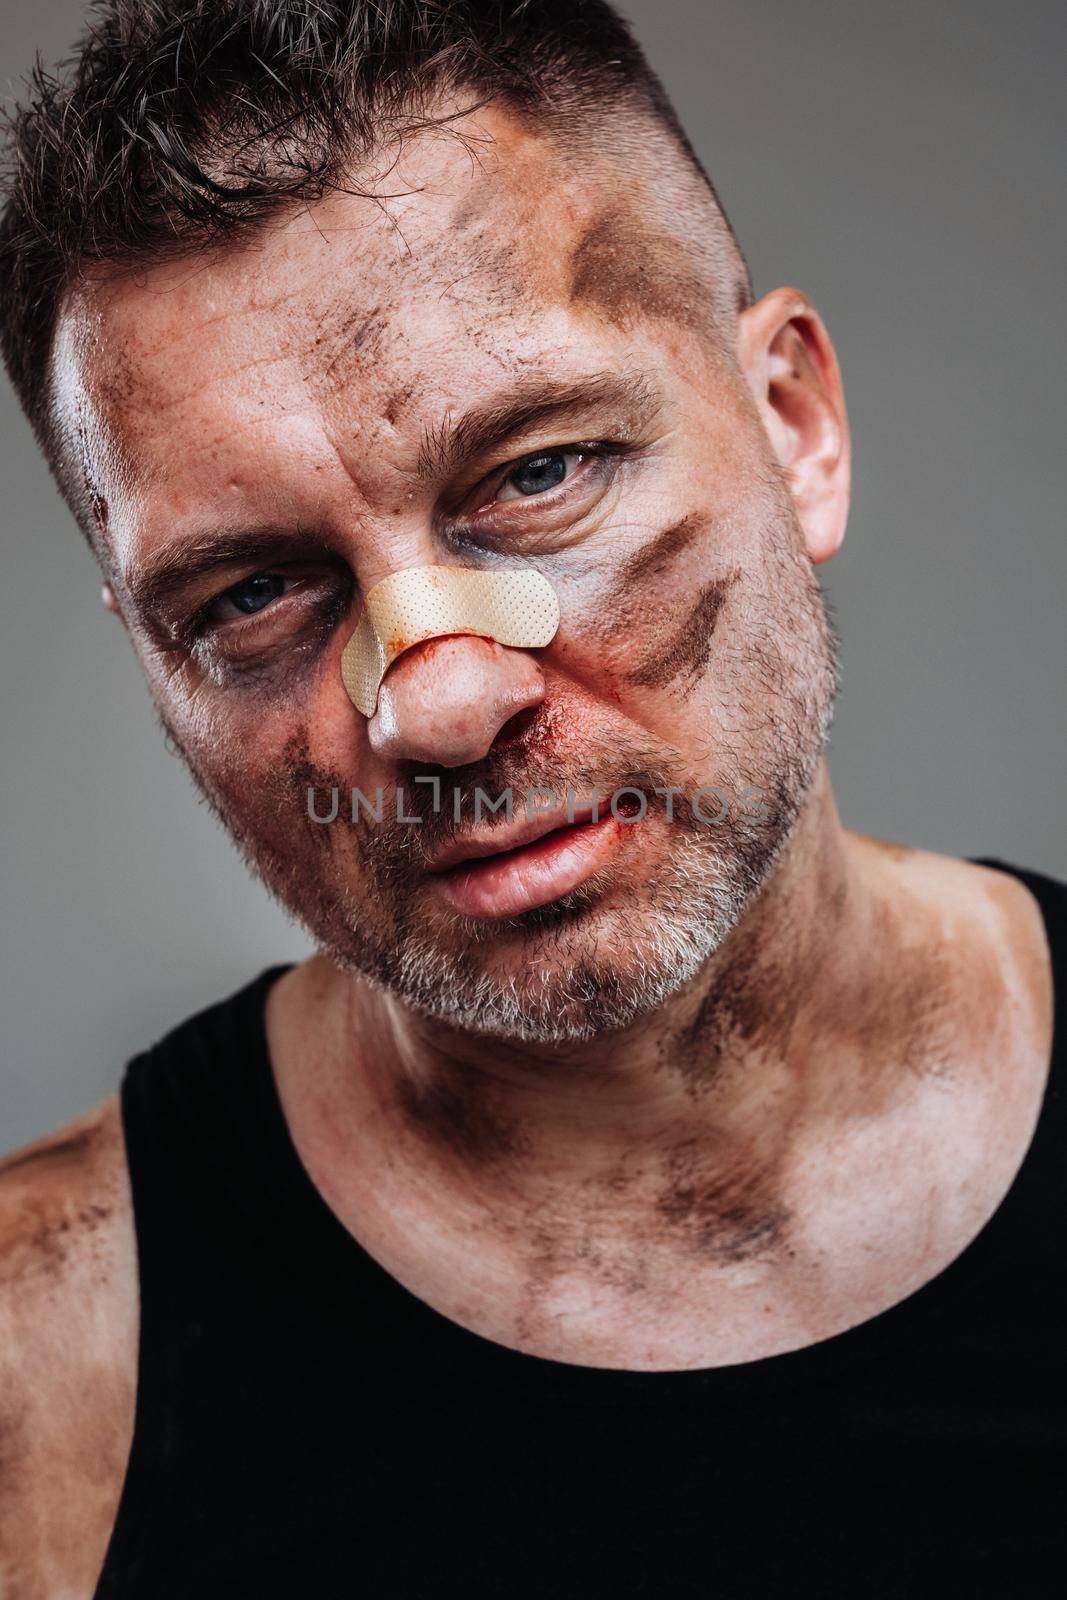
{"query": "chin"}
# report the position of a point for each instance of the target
(594, 961)
(565, 973)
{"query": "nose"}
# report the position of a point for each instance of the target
(446, 700)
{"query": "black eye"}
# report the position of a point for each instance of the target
(253, 593)
(538, 473)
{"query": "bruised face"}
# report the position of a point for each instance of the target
(493, 362)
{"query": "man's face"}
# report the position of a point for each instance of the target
(272, 430)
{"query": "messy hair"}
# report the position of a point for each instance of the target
(179, 124)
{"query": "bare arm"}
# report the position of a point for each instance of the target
(68, 1355)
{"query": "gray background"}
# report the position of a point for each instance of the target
(901, 163)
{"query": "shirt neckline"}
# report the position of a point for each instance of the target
(431, 1336)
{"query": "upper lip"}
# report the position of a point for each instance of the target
(509, 836)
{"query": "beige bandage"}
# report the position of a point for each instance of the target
(516, 608)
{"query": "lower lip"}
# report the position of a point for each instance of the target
(535, 874)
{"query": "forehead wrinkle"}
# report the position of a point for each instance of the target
(213, 381)
(227, 306)
(125, 297)
(446, 292)
(127, 374)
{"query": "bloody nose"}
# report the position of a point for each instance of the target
(446, 700)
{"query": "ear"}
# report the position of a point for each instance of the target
(107, 595)
(789, 364)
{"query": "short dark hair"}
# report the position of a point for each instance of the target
(186, 122)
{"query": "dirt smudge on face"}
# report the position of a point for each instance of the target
(398, 402)
(651, 560)
(309, 783)
(628, 272)
(685, 654)
(471, 210)
(646, 586)
(345, 346)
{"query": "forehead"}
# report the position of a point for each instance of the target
(453, 236)
(462, 257)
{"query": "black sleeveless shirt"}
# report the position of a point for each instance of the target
(305, 1426)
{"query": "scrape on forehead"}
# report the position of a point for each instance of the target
(338, 274)
(368, 300)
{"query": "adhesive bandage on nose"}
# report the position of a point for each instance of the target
(419, 603)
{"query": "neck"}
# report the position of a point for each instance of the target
(683, 1124)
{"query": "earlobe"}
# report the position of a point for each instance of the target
(790, 367)
(110, 600)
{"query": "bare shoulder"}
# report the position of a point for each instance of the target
(999, 903)
(68, 1354)
(994, 923)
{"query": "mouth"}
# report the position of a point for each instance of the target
(515, 869)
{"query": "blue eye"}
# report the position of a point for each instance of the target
(540, 472)
(252, 594)
(543, 471)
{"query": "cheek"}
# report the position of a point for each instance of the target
(279, 798)
(261, 746)
(651, 635)
(683, 645)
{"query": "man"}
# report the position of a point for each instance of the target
(648, 1191)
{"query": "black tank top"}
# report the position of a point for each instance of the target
(305, 1426)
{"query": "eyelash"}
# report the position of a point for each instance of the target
(596, 450)
(201, 627)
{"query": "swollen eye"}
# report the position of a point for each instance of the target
(252, 594)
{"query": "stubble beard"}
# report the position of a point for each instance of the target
(608, 953)
(578, 968)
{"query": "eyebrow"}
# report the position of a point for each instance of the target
(629, 397)
(451, 444)
(180, 564)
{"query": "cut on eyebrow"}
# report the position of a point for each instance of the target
(451, 444)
